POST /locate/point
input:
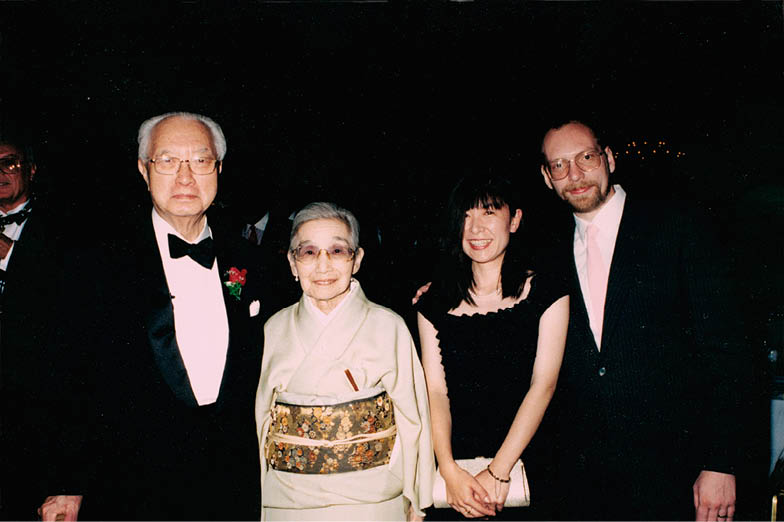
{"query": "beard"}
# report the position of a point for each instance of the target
(587, 201)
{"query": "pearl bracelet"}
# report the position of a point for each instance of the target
(506, 480)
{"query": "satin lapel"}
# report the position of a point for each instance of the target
(159, 320)
(622, 271)
(225, 262)
(234, 309)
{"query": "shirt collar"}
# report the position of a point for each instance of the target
(608, 216)
(163, 228)
(263, 221)
(16, 209)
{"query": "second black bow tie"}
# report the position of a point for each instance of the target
(201, 252)
(17, 218)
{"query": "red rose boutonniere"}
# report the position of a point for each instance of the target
(236, 280)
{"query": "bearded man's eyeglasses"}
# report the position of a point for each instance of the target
(587, 160)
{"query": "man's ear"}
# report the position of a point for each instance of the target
(610, 159)
(143, 171)
(33, 168)
(546, 176)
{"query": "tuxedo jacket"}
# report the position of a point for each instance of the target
(154, 453)
(28, 376)
(659, 402)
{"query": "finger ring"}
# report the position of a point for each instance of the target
(721, 516)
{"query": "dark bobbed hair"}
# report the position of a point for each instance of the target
(457, 278)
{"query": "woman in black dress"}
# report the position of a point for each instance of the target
(492, 332)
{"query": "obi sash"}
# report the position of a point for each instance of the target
(330, 438)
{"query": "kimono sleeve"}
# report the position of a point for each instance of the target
(406, 387)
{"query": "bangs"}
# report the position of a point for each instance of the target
(482, 194)
(487, 200)
(478, 191)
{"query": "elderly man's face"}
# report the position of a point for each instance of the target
(15, 187)
(183, 195)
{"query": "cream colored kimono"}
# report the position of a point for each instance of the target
(303, 357)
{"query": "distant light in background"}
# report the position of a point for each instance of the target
(659, 148)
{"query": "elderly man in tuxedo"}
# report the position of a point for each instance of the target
(174, 341)
(648, 393)
(28, 270)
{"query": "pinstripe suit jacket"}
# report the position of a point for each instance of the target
(638, 419)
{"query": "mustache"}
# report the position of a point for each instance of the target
(578, 186)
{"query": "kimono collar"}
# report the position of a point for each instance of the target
(322, 318)
(333, 338)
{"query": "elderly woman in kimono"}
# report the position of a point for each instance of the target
(341, 410)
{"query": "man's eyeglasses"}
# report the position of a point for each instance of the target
(308, 254)
(11, 164)
(587, 160)
(170, 165)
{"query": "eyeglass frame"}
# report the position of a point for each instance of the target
(293, 252)
(20, 162)
(179, 166)
(569, 162)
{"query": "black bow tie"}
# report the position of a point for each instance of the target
(17, 218)
(200, 252)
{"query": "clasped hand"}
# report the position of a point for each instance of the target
(61, 507)
(498, 490)
(471, 496)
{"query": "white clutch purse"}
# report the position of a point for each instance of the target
(519, 494)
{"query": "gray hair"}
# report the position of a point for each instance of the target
(146, 129)
(325, 210)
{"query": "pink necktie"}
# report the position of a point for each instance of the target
(597, 276)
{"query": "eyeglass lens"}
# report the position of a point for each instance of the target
(10, 164)
(587, 160)
(171, 165)
(309, 253)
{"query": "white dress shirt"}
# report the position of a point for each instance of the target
(200, 322)
(607, 220)
(12, 231)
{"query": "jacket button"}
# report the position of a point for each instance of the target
(602, 371)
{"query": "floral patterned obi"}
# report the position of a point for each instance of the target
(336, 438)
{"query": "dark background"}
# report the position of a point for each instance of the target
(381, 106)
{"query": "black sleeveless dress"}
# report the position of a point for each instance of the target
(488, 361)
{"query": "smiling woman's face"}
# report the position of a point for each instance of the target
(486, 232)
(325, 280)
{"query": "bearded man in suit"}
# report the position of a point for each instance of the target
(649, 386)
(174, 347)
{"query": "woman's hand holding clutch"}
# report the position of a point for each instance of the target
(465, 494)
